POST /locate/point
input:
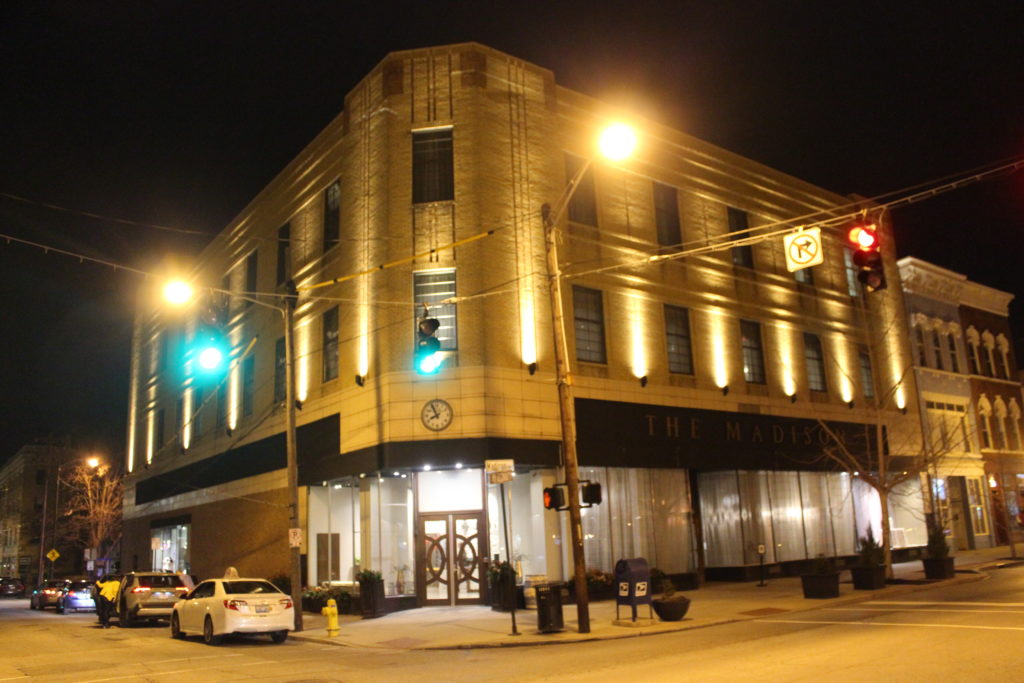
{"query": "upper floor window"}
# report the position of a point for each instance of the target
(222, 404)
(922, 352)
(975, 358)
(284, 236)
(954, 353)
(248, 385)
(433, 177)
(280, 371)
(666, 215)
(588, 313)
(814, 358)
(583, 205)
(852, 283)
(937, 349)
(433, 288)
(867, 378)
(988, 361)
(251, 274)
(330, 344)
(742, 256)
(753, 352)
(332, 214)
(677, 340)
(804, 276)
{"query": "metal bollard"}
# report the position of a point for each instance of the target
(331, 612)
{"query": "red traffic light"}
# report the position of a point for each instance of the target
(864, 237)
(554, 498)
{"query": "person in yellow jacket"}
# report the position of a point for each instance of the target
(106, 594)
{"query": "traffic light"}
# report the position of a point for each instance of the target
(427, 357)
(590, 493)
(554, 498)
(209, 348)
(867, 256)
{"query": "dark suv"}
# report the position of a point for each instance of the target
(148, 595)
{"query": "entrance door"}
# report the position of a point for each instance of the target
(960, 518)
(449, 563)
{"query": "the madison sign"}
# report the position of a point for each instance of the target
(617, 434)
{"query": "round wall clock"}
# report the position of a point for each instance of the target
(436, 414)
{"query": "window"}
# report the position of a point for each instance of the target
(677, 340)
(922, 353)
(280, 371)
(225, 298)
(583, 205)
(804, 276)
(947, 426)
(976, 500)
(160, 418)
(867, 379)
(741, 256)
(222, 404)
(954, 358)
(179, 416)
(332, 210)
(1004, 356)
(852, 284)
(753, 352)
(814, 358)
(1000, 433)
(432, 166)
(986, 431)
(588, 313)
(431, 287)
(987, 359)
(329, 344)
(666, 215)
(248, 385)
(974, 358)
(251, 273)
(197, 412)
(937, 349)
(284, 253)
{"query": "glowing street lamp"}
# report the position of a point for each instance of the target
(178, 292)
(616, 143)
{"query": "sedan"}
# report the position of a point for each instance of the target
(47, 593)
(76, 596)
(11, 588)
(219, 607)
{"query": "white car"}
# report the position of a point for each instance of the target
(219, 607)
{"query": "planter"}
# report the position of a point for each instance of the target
(820, 586)
(671, 609)
(371, 598)
(868, 578)
(938, 567)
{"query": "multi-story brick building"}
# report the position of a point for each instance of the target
(698, 381)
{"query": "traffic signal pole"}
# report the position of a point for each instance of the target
(291, 448)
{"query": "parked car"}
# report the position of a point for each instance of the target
(219, 607)
(148, 595)
(11, 587)
(47, 593)
(76, 596)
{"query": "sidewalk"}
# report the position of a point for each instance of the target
(443, 628)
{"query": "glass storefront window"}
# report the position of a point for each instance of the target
(334, 532)
(170, 548)
(450, 490)
(976, 501)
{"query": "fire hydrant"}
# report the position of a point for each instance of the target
(331, 612)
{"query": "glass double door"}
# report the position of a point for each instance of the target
(450, 567)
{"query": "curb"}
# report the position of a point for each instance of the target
(972, 574)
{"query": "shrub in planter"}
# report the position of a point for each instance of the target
(371, 593)
(937, 562)
(600, 585)
(823, 581)
(502, 579)
(869, 574)
(671, 606)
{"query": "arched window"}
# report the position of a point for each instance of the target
(988, 353)
(1015, 422)
(952, 332)
(973, 342)
(922, 353)
(1003, 348)
(999, 434)
(984, 421)
(937, 349)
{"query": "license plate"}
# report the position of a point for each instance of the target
(161, 595)
(262, 609)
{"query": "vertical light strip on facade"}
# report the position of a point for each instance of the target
(638, 335)
(186, 418)
(364, 327)
(784, 341)
(527, 321)
(301, 351)
(150, 422)
(719, 346)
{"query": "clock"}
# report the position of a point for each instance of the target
(436, 414)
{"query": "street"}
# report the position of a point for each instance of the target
(960, 632)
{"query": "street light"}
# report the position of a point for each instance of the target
(92, 462)
(616, 143)
(179, 294)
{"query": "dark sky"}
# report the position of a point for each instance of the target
(178, 113)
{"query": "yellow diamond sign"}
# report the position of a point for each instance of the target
(53, 554)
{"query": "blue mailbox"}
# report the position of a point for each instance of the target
(633, 584)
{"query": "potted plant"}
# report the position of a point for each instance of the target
(371, 593)
(671, 606)
(937, 562)
(502, 579)
(869, 574)
(823, 581)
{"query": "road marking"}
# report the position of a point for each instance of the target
(944, 602)
(881, 623)
(928, 609)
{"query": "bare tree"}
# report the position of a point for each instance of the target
(92, 516)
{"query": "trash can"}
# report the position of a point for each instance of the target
(549, 608)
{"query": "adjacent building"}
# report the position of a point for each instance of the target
(699, 382)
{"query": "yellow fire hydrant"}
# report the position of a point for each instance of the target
(331, 612)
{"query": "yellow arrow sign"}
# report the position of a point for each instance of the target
(53, 554)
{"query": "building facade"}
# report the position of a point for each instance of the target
(699, 382)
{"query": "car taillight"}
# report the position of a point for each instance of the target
(235, 604)
(183, 589)
(286, 603)
(71, 592)
(49, 591)
(141, 589)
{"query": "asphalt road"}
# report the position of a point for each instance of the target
(970, 632)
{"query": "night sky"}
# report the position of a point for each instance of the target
(177, 113)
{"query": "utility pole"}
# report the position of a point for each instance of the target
(292, 452)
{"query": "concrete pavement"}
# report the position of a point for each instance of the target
(440, 628)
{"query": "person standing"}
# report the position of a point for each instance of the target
(105, 599)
